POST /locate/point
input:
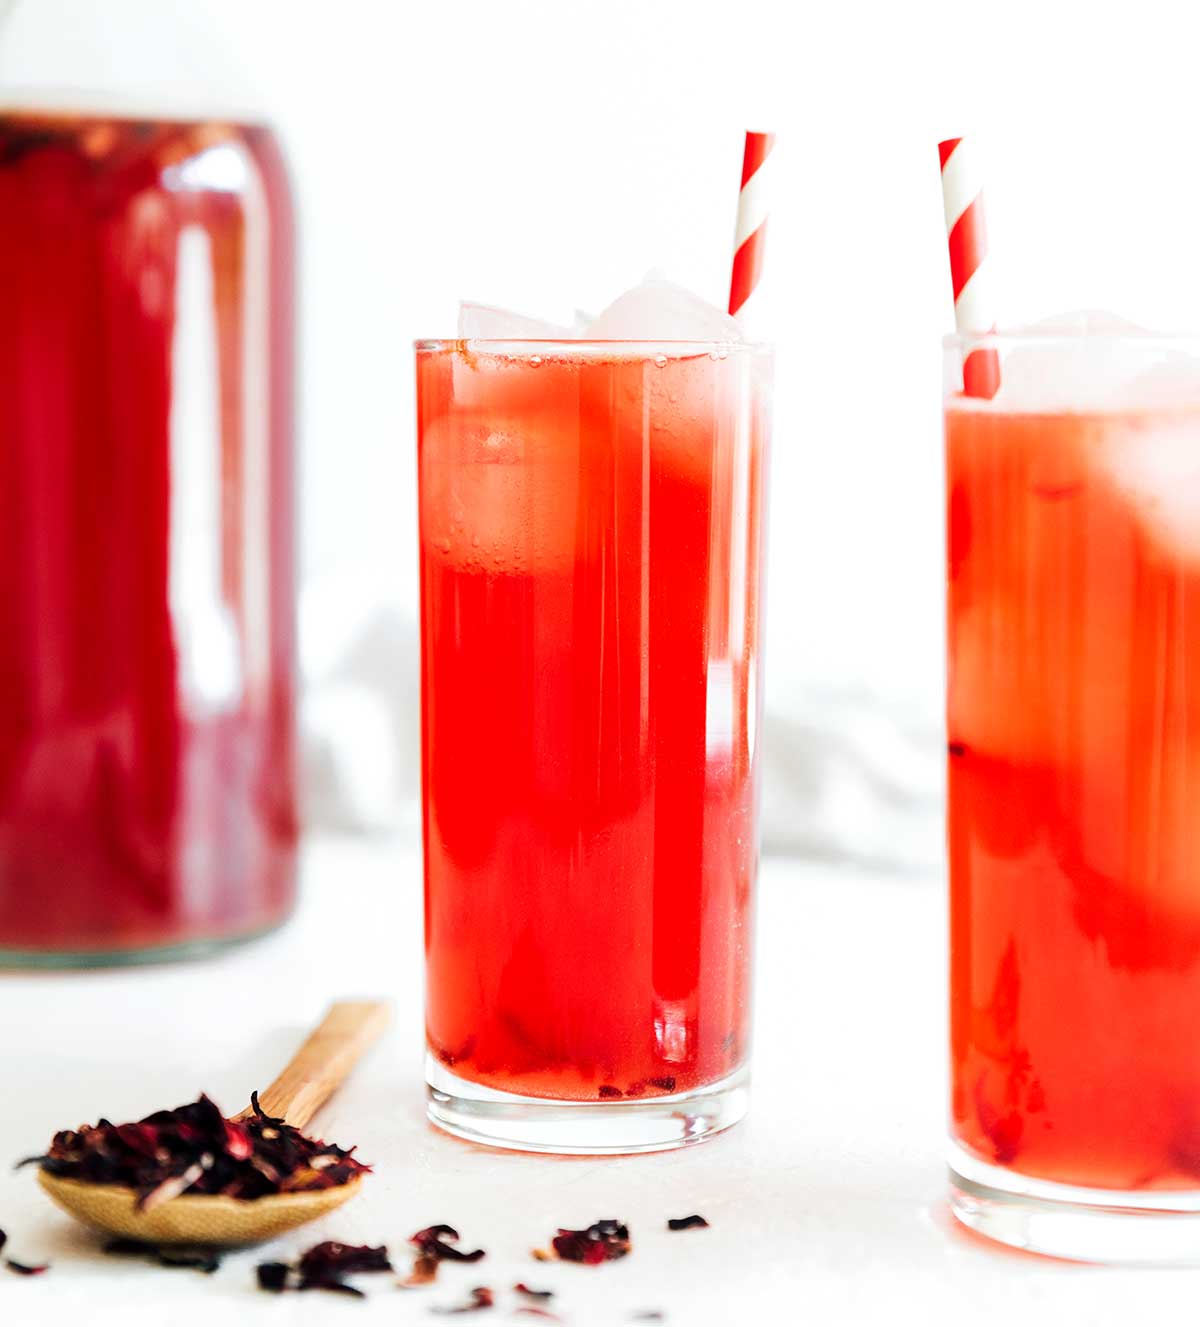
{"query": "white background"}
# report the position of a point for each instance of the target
(543, 154)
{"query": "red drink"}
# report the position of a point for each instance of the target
(591, 534)
(1074, 727)
(147, 678)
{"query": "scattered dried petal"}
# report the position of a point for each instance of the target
(273, 1276)
(693, 1222)
(324, 1266)
(527, 1311)
(424, 1270)
(607, 1090)
(603, 1241)
(522, 1289)
(331, 1259)
(432, 1242)
(20, 1268)
(481, 1298)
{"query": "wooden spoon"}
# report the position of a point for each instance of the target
(311, 1076)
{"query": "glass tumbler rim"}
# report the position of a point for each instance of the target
(569, 346)
(1007, 339)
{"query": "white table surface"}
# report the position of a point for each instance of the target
(826, 1205)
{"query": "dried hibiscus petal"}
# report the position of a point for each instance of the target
(261, 1115)
(195, 1149)
(603, 1241)
(693, 1222)
(273, 1276)
(174, 1185)
(1003, 1130)
(424, 1270)
(522, 1289)
(324, 1265)
(238, 1142)
(335, 1259)
(481, 1298)
(663, 1083)
(20, 1268)
(432, 1243)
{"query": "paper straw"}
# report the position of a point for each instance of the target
(966, 232)
(750, 238)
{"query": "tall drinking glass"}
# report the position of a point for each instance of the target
(1074, 793)
(591, 586)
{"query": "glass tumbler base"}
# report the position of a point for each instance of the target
(1136, 1227)
(582, 1128)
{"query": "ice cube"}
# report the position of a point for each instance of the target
(659, 310)
(1090, 368)
(1171, 384)
(1082, 322)
(499, 494)
(483, 322)
(1154, 462)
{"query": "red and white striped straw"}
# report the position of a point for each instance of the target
(966, 230)
(750, 239)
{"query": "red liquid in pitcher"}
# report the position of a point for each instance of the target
(1074, 725)
(590, 571)
(147, 675)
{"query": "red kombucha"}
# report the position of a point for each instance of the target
(147, 674)
(1074, 783)
(591, 552)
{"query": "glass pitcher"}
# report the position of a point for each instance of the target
(147, 637)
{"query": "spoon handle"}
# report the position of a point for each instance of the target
(317, 1070)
